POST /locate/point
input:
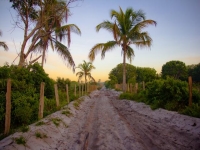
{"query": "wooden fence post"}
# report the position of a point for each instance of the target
(85, 88)
(82, 85)
(127, 87)
(67, 93)
(8, 107)
(136, 87)
(75, 90)
(190, 90)
(56, 94)
(41, 104)
(79, 87)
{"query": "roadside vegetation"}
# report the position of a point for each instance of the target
(25, 94)
(170, 91)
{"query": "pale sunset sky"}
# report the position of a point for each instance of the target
(176, 36)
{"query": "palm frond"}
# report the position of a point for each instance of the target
(3, 44)
(66, 31)
(143, 40)
(144, 24)
(63, 51)
(129, 53)
(110, 45)
(95, 50)
(105, 25)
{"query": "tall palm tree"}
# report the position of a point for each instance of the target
(86, 68)
(54, 32)
(127, 29)
(3, 44)
(40, 20)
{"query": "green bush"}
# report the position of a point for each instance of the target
(128, 96)
(194, 110)
(139, 97)
(25, 82)
(168, 92)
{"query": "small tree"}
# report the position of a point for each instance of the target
(176, 69)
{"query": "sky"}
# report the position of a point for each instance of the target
(176, 36)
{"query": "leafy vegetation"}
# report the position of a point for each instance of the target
(25, 128)
(40, 123)
(77, 103)
(40, 135)
(25, 94)
(170, 94)
(56, 121)
(176, 69)
(194, 71)
(20, 140)
(67, 113)
(133, 75)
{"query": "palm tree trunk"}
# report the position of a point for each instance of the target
(43, 57)
(124, 71)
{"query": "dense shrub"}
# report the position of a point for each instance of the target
(169, 94)
(194, 110)
(25, 83)
(162, 92)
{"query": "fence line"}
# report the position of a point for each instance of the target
(88, 88)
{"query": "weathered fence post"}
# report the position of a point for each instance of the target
(128, 87)
(136, 87)
(85, 88)
(82, 85)
(88, 87)
(143, 85)
(190, 90)
(75, 90)
(56, 94)
(41, 105)
(8, 107)
(79, 87)
(67, 93)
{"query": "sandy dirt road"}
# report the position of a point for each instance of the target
(105, 123)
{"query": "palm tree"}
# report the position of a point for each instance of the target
(3, 44)
(86, 68)
(126, 30)
(59, 11)
(40, 20)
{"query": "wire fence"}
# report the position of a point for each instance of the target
(78, 90)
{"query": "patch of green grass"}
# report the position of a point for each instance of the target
(20, 140)
(193, 110)
(56, 121)
(39, 123)
(77, 103)
(40, 135)
(24, 128)
(67, 113)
